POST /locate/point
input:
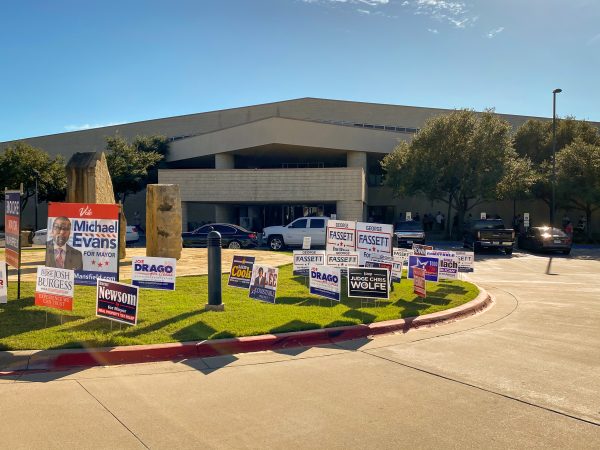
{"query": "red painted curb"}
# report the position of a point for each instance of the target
(64, 359)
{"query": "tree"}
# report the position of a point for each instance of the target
(457, 158)
(578, 178)
(129, 164)
(22, 163)
(518, 181)
(533, 139)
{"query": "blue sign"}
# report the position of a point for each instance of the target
(429, 263)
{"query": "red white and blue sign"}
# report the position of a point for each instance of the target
(429, 263)
(84, 237)
(117, 301)
(153, 273)
(12, 228)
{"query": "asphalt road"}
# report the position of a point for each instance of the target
(524, 374)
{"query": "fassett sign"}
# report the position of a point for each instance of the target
(341, 236)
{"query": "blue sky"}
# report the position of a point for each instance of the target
(71, 64)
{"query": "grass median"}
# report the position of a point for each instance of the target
(175, 316)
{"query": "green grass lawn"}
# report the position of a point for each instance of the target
(179, 316)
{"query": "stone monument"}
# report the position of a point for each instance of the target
(163, 220)
(88, 181)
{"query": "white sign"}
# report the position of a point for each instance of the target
(397, 266)
(526, 220)
(408, 216)
(420, 249)
(306, 243)
(373, 241)
(54, 287)
(483, 216)
(325, 282)
(153, 273)
(465, 261)
(3, 283)
(342, 259)
(304, 259)
(341, 236)
(402, 253)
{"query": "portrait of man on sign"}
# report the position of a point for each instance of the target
(260, 279)
(58, 252)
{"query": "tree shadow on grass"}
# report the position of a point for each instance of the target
(361, 316)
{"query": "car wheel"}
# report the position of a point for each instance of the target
(276, 243)
(508, 250)
(235, 245)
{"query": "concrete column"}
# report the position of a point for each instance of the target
(224, 161)
(357, 159)
(350, 210)
(224, 214)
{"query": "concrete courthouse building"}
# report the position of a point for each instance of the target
(269, 164)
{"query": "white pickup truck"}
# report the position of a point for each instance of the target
(292, 235)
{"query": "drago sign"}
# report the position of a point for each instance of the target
(153, 273)
(325, 282)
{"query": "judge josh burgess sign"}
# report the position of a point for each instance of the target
(54, 288)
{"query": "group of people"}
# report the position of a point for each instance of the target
(431, 221)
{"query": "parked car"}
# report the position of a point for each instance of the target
(40, 237)
(489, 233)
(545, 239)
(409, 232)
(232, 236)
(292, 235)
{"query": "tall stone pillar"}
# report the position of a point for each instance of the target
(224, 161)
(163, 220)
(88, 181)
(357, 159)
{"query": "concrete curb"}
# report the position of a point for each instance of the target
(14, 363)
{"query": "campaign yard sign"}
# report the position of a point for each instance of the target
(153, 273)
(263, 285)
(429, 263)
(241, 272)
(448, 267)
(117, 301)
(341, 259)
(420, 249)
(54, 288)
(84, 237)
(304, 259)
(366, 282)
(373, 241)
(419, 284)
(12, 227)
(306, 242)
(341, 236)
(326, 282)
(465, 261)
(3, 283)
(397, 267)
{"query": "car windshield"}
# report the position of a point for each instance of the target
(546, 231)
(409, 226)
(494, 224)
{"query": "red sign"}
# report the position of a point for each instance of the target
(54, 301)
(12, 228)
(419, 286)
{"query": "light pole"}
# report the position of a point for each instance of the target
(553, 207)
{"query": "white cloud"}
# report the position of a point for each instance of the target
(433, 30)
(455, 13)
(87, 126)
(493, 33)
(364, 11)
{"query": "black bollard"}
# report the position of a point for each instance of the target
(215, 298)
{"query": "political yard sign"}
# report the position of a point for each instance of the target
(117, 301)
(465, 261)
(263, 285)
(341, 259)
(429, 263)
(373, 241)
(153, 273)
(341, 236)
(3, 283)
(420, 249)
(241, 272)
(84, 238)
(448, 267)
(12, 228)
(368, 283)
(325, 282)
(419, 284)
(54, 288)
(304, 259)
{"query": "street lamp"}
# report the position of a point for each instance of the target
(552, 209)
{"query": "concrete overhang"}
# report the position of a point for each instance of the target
(293, 132)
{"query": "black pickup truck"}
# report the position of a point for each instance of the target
(489, 233)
